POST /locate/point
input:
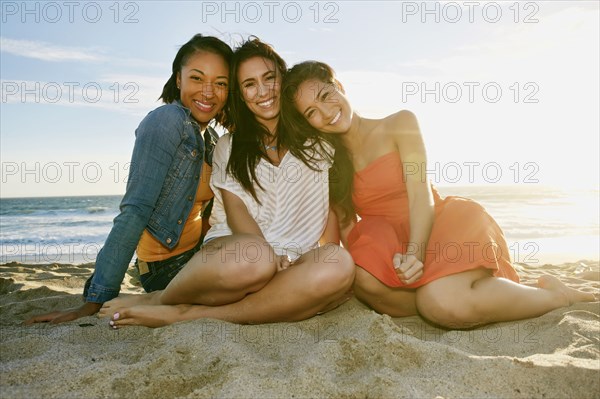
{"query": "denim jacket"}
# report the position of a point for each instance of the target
(163, 179)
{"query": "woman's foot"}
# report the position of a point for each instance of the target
(149, 315)
(571, 295)
(129, 300)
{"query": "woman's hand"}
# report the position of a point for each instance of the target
(87, 309)
(283, 262)
(408, 268)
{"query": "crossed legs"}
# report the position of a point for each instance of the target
(231, 279)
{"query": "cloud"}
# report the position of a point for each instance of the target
(47, 51)
(129, 94)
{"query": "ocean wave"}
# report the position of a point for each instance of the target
(96, 209)
(544, 233)
(33, 244)
(56, 234)
(27, 206)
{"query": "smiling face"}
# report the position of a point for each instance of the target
(203, 83)
(324, 106)
(260, 86)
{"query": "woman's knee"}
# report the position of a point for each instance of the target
(446, 309)
(248, 261)
(334, 271)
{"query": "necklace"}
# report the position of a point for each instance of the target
(272, 140)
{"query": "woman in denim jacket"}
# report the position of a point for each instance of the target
(167, 190)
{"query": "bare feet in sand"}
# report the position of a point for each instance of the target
(129, 300)
(571, 294)
(150, 315)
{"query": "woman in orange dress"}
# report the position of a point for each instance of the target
(444, 258)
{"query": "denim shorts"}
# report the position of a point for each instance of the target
(157, 275)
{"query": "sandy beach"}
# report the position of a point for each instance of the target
(351, 352)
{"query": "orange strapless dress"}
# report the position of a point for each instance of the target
(463, 236)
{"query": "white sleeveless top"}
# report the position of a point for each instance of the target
(294, 203)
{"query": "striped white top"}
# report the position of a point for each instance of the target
(295, 201)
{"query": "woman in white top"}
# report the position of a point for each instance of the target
(262, 260)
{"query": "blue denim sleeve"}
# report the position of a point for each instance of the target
(157, 139)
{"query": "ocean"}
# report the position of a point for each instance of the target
(541, 224)
(55, 229)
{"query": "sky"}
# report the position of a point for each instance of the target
(505, 92)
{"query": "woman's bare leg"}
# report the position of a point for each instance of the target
(475, 298)
(396, 302)
(225, 270)
(316, 280)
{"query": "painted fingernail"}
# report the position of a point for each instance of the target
(116, 316)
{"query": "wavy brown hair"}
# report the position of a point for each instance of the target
(298, 129)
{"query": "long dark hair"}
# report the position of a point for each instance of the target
(196, 44)
(341, 174)
(248, 134)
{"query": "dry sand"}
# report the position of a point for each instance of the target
(351, 352)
